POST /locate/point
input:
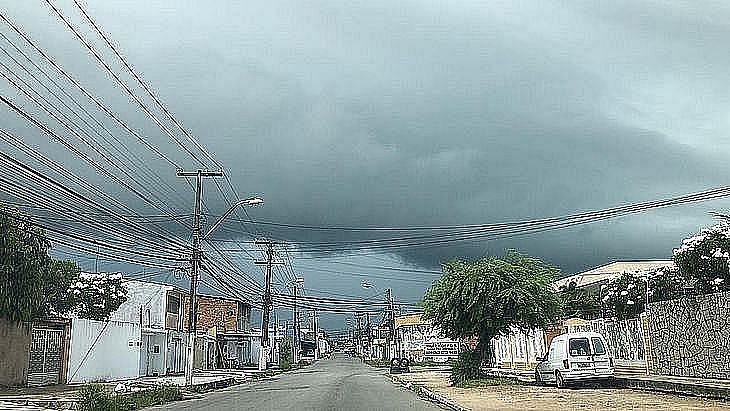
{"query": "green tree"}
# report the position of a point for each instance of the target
(703, 260)
(488, 297)
(285, 353)
(579, 303)
(33, 285)
(625, 296)
(25, 280)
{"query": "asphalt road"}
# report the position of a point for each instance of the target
(338, 383)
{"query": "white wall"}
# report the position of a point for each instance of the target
(110, 356)
(519, 347)
(151, 363)
(151, 297)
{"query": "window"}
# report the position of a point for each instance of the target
(598, 347)
(156, 349)
(579, 346)
(552, 354)
(173, 304)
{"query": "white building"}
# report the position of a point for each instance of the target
(145, 336)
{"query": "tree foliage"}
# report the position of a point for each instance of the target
(703, 260)
(486, 298)
(33, 285)
(25, 280)
(95, 295)
(579, 303)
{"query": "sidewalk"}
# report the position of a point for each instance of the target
(700, 387)
(521, 396)
(64, 396)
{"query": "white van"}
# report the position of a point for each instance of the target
(575, 357)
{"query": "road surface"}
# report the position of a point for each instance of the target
(338, 383)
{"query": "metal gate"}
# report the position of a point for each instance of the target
(45, 357)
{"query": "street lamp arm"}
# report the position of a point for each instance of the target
(247, 202)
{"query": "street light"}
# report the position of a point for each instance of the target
(197, 239)
(250, 202)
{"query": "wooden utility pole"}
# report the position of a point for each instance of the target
(195, 265)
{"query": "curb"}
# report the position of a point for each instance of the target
(429, 394)
(676, 388)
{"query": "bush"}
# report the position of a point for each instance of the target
(466, 367)
(487, 382)
(378, 363)
(95, 397)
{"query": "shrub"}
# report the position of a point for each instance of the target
(466, 367)
(95, 397)
(378, 363)
(487, 382)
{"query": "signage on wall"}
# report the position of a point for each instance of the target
(441, 349)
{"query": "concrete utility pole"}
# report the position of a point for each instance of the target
(264, 357)
(358, 334)
(391, 321)
(295, 319)
(195, 264)
(316, 338)
(369, 334)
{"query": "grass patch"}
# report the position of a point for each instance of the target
(378, 363)
(448, 363)
(95, 397)
(486, 382)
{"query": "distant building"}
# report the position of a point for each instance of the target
(419, 340)
(592, 279)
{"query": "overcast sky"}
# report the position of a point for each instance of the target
(381, 113)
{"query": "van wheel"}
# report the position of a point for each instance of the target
(559, 381)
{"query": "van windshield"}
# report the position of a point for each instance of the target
(598, 347)
(579, 346)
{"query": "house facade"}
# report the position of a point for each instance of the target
(145, 336)
(224, 336)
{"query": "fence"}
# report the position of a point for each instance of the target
(625, 338)
(687, 337)
(690, 336)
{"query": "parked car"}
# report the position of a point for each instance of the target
(574, 357)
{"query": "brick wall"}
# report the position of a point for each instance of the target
(213, 312)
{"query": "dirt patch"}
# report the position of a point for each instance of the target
(521, 397)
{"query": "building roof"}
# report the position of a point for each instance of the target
(610, 271)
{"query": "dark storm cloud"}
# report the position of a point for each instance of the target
(421, 113)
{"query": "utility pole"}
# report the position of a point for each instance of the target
(359, 334)
(316, 338)
(391, 321)
(263, 359)
(195, 264)
(369, 334)
(295, 319)
(276, 336)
